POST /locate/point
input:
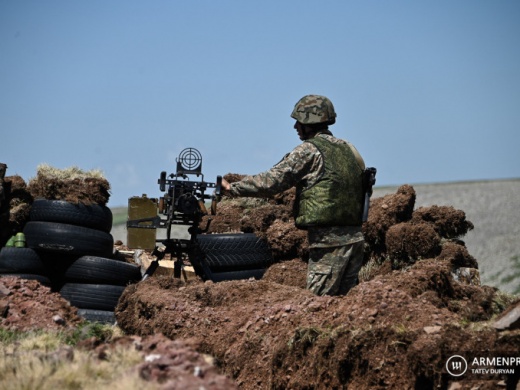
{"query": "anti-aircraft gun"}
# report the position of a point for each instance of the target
(182, 204)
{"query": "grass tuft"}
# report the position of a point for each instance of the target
(46, 361)
(71, 173)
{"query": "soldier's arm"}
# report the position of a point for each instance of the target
(284, 175)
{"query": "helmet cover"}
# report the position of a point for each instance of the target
(312, 109)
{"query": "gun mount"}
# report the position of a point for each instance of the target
(183, 203)
(369, 180)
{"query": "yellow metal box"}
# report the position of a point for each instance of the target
(141, 207)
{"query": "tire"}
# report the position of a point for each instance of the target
(92, 296)
(40, 278)
(93, 216)
(21, 260)
(234, 252)
(68, 239)
(99, 270)
(56, 264)
(102, 316)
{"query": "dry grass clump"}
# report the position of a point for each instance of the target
(44, 361)
(71, 184)
(71, 173)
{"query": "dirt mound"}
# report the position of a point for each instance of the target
(270, 219)
(174, 364)
(385, 212)
(72, 185)
(288, 273)
(419, 303)
(14, 207)
(27, 305)
(269, 335)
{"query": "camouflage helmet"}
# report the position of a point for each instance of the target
(312, 109)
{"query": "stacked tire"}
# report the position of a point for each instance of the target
(66, 228)
(71, 245)
(233, 256)
(94, 285)
(24, 263)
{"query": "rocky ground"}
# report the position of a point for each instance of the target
(419, 303)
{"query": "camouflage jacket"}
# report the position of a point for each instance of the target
(304, 162)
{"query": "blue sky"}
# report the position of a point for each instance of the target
(428, 91)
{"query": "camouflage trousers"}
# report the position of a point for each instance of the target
(334, 270)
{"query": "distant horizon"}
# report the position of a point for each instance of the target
(449, 182)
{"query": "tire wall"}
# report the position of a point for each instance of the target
(69, 248)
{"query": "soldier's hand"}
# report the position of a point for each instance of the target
(225, 185)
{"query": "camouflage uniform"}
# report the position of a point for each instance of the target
(336, 252)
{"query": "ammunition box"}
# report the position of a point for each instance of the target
(140, 207)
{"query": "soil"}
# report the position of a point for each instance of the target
(27, 305)
(419, 302)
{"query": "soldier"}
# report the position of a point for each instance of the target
(328, 175)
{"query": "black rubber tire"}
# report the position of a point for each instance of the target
(93, 216)
(100, 270)
(68, 239)
(102, 316)
(56, 264)
(21, 260)
(40, 278)
(92, 296)
(234, 252)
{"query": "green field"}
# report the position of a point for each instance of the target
(119, 215)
